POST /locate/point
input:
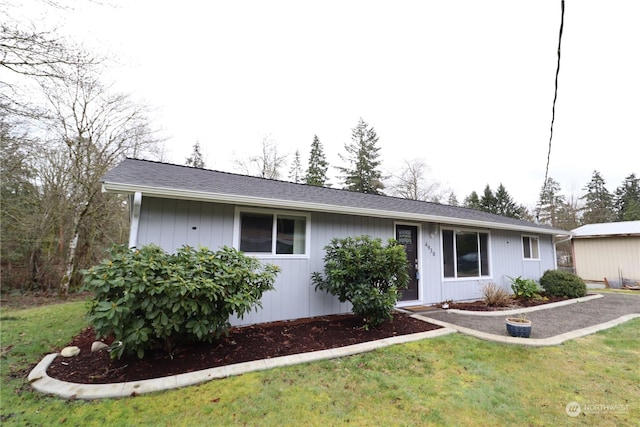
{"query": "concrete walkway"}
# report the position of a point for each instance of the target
(553, 324)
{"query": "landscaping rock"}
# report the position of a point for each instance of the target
(70, 351)
(97, 346)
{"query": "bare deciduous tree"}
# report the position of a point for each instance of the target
(413, 182)
(61, 129)
(95, 129)
(265, 165)
(25, 51)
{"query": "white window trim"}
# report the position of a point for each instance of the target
(530, 236)
(455, 268)
(275, 213)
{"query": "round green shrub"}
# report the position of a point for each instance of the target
(366, 273)
(147, 298)
(559, 283)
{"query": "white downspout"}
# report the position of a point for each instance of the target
(135, 219)
(555, 248)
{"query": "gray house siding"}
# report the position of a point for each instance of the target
(172, 223)
(174, 205)
(504, 261)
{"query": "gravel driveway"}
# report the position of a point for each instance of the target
(550, 322)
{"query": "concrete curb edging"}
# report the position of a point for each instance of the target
(526, 309)
(534, 342)
(43, 383)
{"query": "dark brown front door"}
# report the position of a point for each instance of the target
(407, 235)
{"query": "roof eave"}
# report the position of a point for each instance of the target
(315, 207)
(600, 236)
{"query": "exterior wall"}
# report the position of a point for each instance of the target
(505, 260)
(610, 257)
(171, 224)
(174, 223)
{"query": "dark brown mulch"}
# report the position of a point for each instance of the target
(480, 305)
(244, 344)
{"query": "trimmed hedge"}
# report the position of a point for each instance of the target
(559, 283)
(147, 298)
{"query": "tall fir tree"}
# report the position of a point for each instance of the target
(488, 200)
(295, 173)
(568, 216)
(505, 205)
(500, 202)
(472, 201)
(453, 200)
(550, 203)
(196, 159)
(363, 174)
(627, 199)
(318, 166)
(598, 201)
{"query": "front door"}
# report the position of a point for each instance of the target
(407, 235)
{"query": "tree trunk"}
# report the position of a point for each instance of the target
(34, 268)
(71, 263)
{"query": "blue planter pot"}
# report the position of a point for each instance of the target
(518, 328)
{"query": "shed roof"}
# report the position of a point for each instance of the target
(624, 228)
(182, 182)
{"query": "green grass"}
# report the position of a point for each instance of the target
(452, 380)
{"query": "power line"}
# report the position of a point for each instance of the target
(555, 97)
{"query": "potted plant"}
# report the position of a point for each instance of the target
(519, 326)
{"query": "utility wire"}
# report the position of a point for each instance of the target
(555, 97)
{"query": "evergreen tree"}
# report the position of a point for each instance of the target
(363, 174)
(505, 205)
(488, 200)
(598, 202)
(472, 201)
(500, 203)
(627, 199)
(317, 169)
(295, 173)
(568, 215)
(195, 159)
(453, 200)
(550, 203)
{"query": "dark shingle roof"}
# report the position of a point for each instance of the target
(175, 181)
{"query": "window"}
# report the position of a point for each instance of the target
(465, 254)
(530, 247)
(273, 233)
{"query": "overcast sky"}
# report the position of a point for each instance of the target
(467, 85)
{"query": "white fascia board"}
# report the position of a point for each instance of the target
(204, 196)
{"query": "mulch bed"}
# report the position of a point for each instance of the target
(515, 303)
(243, 344)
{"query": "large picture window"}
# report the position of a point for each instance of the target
(530, 247)
(273, 233)
(465, 254)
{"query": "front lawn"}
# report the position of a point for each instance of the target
(452, 380)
